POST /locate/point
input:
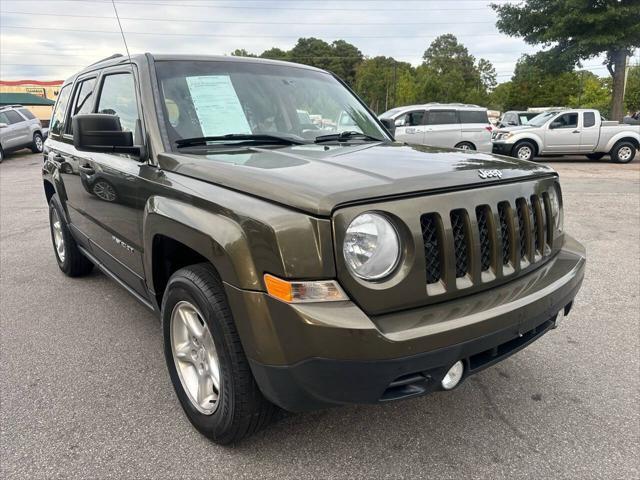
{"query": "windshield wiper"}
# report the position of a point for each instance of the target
(345, 137)
(241, 138)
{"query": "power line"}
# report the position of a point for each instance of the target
(243, 22)
(164, 34)
(270, 7)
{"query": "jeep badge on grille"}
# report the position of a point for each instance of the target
(490, 174)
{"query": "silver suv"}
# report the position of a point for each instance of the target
(19, 128)
(451, 125)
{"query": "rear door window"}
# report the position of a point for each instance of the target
(118, 97)
(58, 116)
(473, 116)
(589, 119)
(13, 117)
(27, 114)
(442, 117)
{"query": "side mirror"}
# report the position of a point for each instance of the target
(512, 123)
(556, 125)
(400, 122)
(3, 125)
(100, 132)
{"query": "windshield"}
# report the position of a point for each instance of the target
(541, 119)
(217, 98)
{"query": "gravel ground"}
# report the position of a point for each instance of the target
(85, 394)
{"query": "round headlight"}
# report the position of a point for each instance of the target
(371, 246)
(556, 210)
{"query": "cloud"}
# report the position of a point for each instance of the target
(47, 39)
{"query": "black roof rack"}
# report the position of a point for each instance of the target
(115, 55)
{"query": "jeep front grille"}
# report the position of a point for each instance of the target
(486, 244)
(491, 240)
(430, 234)
(460, 241)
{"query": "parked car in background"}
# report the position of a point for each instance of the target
(633, 119)
(515, 119)
(570, 132)
(19, 128)
(452, 125)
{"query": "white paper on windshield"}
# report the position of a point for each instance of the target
(217, 105)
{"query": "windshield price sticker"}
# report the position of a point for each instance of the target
(217, 105)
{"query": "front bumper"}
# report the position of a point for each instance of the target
(310, 356)
(502, 148)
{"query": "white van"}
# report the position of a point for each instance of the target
(452, 125)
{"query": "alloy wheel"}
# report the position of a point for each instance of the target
(58, 237)
(195, 357)
(624, 153)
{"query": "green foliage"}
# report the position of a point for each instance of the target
(241, 52)
(632, 96)
(576, 30)
(449, 73)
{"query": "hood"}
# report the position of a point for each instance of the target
(319, 178)
(514, 128)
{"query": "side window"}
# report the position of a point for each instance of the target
(589, 119)
(57, 118)
(26, 113)
(83, 100)
(3, 118)
(442, 117)
(118, 97)
(568, 120)
(474, 116)
(13, 117)
(411, 119)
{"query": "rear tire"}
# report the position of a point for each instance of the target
(69, 257)
(623, 152)
(237, 409)
(524, 151)
(38, 143)
(595, 156)
(1, 154)
(466, 146)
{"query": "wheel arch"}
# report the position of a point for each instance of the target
(531, 140)
(198, 236)
(623, 137)
(49, 190)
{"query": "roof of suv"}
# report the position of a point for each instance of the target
(426, 106)
(118, 59)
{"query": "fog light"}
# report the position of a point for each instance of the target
(453, 376)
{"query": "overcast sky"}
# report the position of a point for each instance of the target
(51, 39)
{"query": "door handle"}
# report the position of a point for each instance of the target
(87, 169)
(576, 131)
(58, 158)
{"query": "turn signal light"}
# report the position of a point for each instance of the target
(304, 292)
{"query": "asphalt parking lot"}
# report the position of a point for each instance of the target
(85, 394)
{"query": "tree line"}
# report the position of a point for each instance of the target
(449, 73)
(571, 31)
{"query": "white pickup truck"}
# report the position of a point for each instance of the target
(569, 132)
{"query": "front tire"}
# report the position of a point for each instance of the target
(524, 151)
(69, 257)
(623, 152)
(38, 143)
(206, 362)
